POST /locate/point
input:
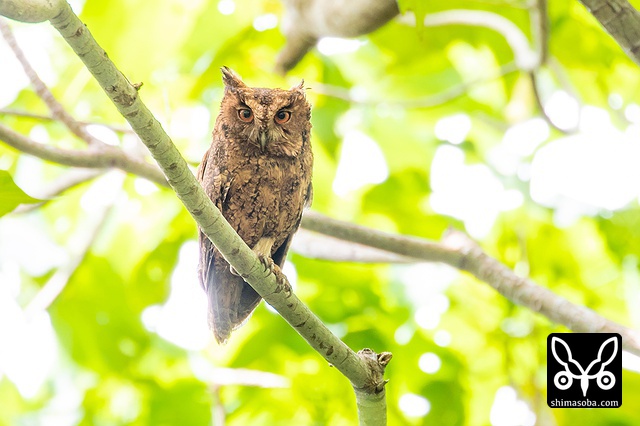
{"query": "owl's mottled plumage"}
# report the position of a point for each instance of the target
(258, 173)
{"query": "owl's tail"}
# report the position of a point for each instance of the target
(231, 302)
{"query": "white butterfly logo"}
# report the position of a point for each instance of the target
(564, 379)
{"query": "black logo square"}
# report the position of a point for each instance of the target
(584, 370)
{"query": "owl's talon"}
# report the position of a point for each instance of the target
(233, 271)
(270, 266)
(267, 262)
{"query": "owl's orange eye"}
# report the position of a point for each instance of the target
(245, 115)
(282, 116)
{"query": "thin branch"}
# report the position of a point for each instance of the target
(540, 29)
(218, 414)
(537, 96)
(101, 157)
(221, 376)
(459, 251)
(30, 10)
(56, 108)
(412, 247)
(539, 299)
(319, 246)
(622, 22)
(41, 117)
(371, 403)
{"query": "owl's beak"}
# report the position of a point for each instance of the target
(263, 139)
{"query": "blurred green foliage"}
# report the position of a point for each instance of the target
(107, 364)
(11, 195)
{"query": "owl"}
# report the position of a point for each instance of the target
(258, 173)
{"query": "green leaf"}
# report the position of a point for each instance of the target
(11, 196)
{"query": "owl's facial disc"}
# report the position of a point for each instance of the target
(266, 118)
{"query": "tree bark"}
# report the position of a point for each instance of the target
(622, 22)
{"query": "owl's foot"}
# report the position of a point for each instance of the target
(281, 278)
(233, 271)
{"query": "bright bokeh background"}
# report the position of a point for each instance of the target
(413, 132)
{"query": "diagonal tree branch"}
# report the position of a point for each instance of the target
(412, 247)
(320, 246)
(461, 252)
(101, 157)
(622, 22)
(56, 108)
(355, 367)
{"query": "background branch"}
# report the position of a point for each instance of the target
(306, 21)
(540, 29)
(102, 156)
(622, 22)
(321, 246)
(537, 96)
(461, 252)
(41, 89)
(30, 10)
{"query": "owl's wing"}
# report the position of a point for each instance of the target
(280, 254)
(206, 248)
(231, 300)
(216, 186)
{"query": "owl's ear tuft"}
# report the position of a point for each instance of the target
(231, 79)
(299, 88)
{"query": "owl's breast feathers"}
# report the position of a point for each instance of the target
(263, 198)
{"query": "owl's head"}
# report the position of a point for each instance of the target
(271, 121)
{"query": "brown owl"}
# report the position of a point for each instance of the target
(258, 173)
